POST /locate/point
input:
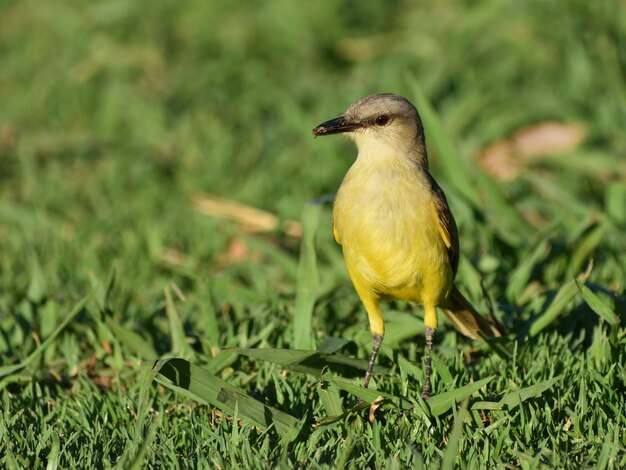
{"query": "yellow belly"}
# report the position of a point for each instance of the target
(390, 237)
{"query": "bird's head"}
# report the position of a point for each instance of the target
(380, 125)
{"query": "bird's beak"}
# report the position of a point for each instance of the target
(336, 126)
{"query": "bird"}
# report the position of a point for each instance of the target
(393, 222)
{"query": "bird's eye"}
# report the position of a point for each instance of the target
(382, 120)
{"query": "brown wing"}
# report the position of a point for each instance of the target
(447, 225)
(457, 308)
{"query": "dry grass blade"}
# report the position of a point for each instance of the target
(251, 219)
(374, 406)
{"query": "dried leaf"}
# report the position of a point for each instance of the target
(236, 252)
(505, 159)
(374, 406)
(499, 161)
(103, 382)
(548, 138)
(250, 218)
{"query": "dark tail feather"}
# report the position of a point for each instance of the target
(465, 318)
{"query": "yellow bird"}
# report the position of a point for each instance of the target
(393, 222)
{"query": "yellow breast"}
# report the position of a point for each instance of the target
(385, 221)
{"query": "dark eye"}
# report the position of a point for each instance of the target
(382, 120)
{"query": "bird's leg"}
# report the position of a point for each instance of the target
(377, 325)
(427, 366)
(378, 340)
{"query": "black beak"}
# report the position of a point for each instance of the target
(335, 126)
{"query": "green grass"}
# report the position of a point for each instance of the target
(115, 114)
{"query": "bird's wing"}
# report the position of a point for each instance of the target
(446, 225)
(336, 234)
(457, 308)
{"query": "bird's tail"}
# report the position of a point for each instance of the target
(465, 318)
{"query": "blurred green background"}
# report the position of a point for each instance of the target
(115, 114)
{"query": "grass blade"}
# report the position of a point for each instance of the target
(225, 289)
(331, 345)
(437, 404)
(596, 304)
(588, 242)
(308, 280)
(329, 396)
(137, 446)
(442, 370)
(177, 332)
(520, 277)
(368, 394)
(410, 368)
(455, 436)
(564, 296)
(7, 370)
(441, 403)
(54, 454)
(310, 362)
(132, 341)
(37, 285)
(204, 387)
(615, 201)
(328, 420)
(512, 399)
(283, 357)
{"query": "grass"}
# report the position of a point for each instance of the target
(116, 115)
